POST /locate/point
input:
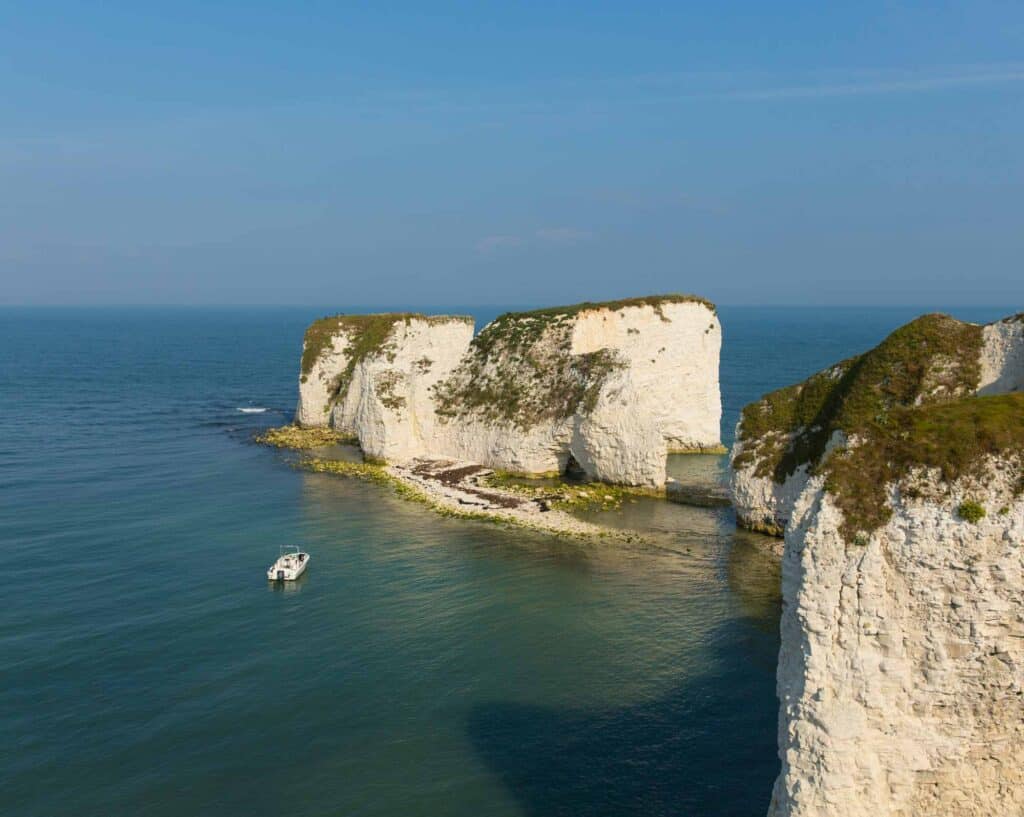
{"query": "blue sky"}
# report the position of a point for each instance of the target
(472, 153)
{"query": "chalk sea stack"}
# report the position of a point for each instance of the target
(606, 388)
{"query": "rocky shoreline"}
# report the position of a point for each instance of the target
(461, 488)
(466, 490)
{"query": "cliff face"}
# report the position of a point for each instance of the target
(897, 477)
(1002, 357)
(613, 386)
(901, 670)
(372, 376)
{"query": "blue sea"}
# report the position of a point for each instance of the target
(423, 666)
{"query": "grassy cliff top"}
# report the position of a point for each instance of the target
(522, 329)
(955, 438)
(931, 359)
(571, 310)
(367, 333)
(908, 402)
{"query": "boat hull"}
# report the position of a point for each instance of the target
(287, 574)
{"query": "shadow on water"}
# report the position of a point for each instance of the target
(704, 746)
(754, 575)
(289, 587)
(706, 749)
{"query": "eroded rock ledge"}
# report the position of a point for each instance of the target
(607, 388)
(897, 478)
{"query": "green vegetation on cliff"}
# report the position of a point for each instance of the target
(521, 369)
(931, 359)
(971, 511)
(570, 311)
(367, 335)
(955, 438)
(906, 403)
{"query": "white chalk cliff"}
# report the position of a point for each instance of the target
(901, 670)
(1002, 357)
(898, 478)
(613, 386)
(372, 377)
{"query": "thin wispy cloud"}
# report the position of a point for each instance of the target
(737, 85)
(493, 243)
(603, 95)
(549, 236)
(568, 97)
(563, 235)
(909, 85)
(569, 94)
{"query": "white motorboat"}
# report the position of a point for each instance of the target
(289, 565)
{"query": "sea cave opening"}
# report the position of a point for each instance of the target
(573, 471)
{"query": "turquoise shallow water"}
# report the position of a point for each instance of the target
(423, 666)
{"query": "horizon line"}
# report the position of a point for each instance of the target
(488, 305)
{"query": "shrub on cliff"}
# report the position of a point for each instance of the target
(971, 511)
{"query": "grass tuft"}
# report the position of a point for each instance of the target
(931, 359)
(971, 511)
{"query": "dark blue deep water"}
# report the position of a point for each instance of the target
(424, 666)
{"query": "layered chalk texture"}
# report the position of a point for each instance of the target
(610, 388)
(897, 479)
